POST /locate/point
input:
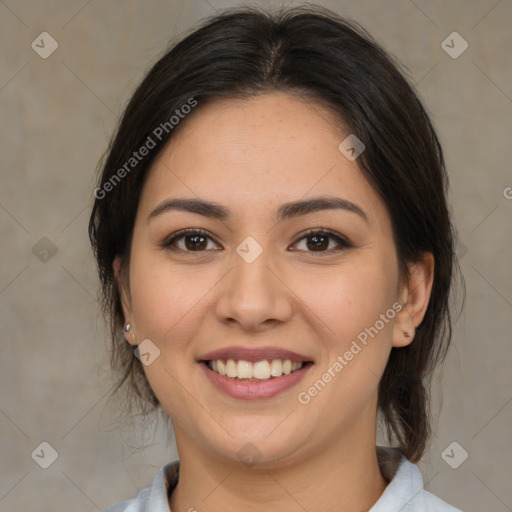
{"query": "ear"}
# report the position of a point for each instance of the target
(414, 297)
(124, 293)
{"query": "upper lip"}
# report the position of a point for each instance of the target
(253, 355)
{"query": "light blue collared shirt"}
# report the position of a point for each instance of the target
(404, 493)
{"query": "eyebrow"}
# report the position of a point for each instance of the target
(285, 211)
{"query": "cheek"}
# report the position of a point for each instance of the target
(354, 305)
(350, 299)
(166, 304)
(167, 301)
(357, 343)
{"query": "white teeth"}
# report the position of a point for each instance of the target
(231, 368)
(244, 369)
(261, 370)
(276, 368)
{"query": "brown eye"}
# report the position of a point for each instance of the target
(320, 241)
(193, 242)
(188, 240)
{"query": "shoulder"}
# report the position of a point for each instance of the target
(152, 498)
(405, 491)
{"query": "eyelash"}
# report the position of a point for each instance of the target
(343, 243)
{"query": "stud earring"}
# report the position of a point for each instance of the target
(408, 335)
(127, 327)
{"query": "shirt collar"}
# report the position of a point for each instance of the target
(405, 482)
(404, 477)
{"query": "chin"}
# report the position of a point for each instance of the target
(258, 449)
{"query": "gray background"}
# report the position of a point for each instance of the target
(57, 115)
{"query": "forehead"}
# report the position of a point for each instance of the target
(258, 153)
(270, 125)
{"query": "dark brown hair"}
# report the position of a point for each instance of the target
(312, 52)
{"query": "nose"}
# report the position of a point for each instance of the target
(254, 296)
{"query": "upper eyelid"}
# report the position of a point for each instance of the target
(178, 235)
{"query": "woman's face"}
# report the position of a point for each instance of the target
(252, 284)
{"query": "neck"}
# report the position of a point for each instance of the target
(342, 477)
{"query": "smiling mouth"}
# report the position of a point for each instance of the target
(264, 370)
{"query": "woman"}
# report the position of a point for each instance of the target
(273, 241)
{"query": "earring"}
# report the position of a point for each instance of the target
(127, 327)
(408, 335)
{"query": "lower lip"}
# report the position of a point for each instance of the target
(254, 390)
